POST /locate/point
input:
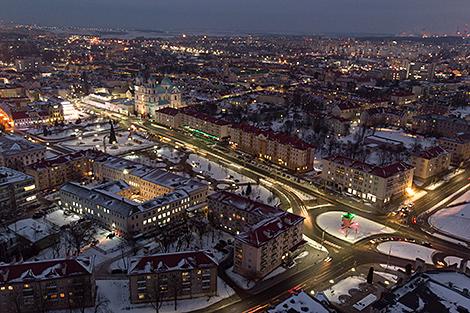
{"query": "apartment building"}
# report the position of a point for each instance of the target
(282, 149)
(197, 122)
(430, 162)
(59, 284)
(446, 126)
(17, 152)
(17, 192)
(458, 147)
(236, 214)
(267, 245)
(168, 117)
(376, 184)
(172, 276)
(53, 173)
(33, 114)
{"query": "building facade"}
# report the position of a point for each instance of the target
(430, 162)
(17, 192)
(17, 152)
(59, 284)
(282, 149)
(267, 245)
(458, 147)
(137, 199)
(377, 184)
(52, 173)
(172, 276)
(151, 96)
(236, 214)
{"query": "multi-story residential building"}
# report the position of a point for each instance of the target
(459, 147)
(282, 149)
(139, 199)
(194, 121)
(37, 286)
(420, 71)
(430, 162)
(17, 152)
(403, 98)
(17, 192)
(52, 173)
(347, 110)
(377, 184)
(197, 122)
(172, 276)
(168, 117)
(151, 96)
(267, 245)
(236, 214)
(440, 125)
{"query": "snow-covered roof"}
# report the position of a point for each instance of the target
(46, 269)
(244, 204)
(167, 262)
(12, 144)
(434, 291)
(270, 228)
(300, 302)
(31, 229)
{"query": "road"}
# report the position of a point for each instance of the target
(344, 256)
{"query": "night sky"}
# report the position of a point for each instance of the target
(281, 16)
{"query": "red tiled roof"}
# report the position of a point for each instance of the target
(270, 228)
(382, 171)
(192, 111)
(282, 138)
(47, 269)
(431, 153)
(171, 262)
(169, 111)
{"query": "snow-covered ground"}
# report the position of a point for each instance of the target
(300, 302)
(261, 194)
(455, 218)
(216, 171)
(60, 218)
(331, 222)
(169, 153)
(207, 243)
(117, 293)
(124, 143)
(407, 250)
(343, 287)
(245, 283)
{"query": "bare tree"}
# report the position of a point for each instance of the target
(79, 234)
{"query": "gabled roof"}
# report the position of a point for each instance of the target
(381, 171)
(270, 228)
(47, 269)
(431, 153)
(168, 262)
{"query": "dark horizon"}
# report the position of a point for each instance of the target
(244, 16)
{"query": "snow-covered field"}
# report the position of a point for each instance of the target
(117, 293)
(343, 287)
(455, 218)
(169, 153)
(406, 250)
(331, 222)
(261, 194)
(124, 143)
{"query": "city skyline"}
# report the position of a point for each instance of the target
(301, 17)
